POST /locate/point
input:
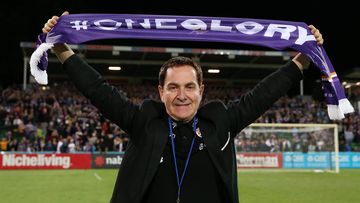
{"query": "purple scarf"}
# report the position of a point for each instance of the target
(279, 35)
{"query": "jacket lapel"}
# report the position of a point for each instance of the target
(159, 135)
(211, 140)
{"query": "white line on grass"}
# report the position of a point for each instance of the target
(97, 177)
(251, 170)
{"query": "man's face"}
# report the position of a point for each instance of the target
(181, 93)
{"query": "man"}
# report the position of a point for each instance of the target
(178, 151)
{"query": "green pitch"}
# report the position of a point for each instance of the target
(95, 186)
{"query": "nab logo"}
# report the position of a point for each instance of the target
(99, 161)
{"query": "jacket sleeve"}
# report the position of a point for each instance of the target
(254, 103)
(111, 102)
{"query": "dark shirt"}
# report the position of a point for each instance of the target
(201, 182)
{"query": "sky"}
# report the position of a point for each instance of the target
(339, 23)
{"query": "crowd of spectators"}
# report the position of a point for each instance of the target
(57, 118)
(288, 139)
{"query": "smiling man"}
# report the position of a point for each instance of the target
(181, 88)
(179, 151)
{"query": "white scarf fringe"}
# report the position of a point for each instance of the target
(40, 76)
(346, 106)
(335, 112)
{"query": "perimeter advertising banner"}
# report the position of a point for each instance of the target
(110, 161)
(259, 160)
(320, 160)
(113, 161)
(349, 159)
(45, 161)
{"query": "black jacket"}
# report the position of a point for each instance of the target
(148, 130)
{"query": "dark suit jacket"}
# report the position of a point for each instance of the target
(148, 130)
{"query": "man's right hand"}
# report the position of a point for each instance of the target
(62, 51)
(51, 23)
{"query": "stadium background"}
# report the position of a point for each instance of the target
(22, 21)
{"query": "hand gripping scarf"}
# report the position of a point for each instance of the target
(279, 35)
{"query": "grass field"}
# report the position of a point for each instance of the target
(95, 186)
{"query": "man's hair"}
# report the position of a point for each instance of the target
(176, 62)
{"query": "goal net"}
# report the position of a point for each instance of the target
(288, 146)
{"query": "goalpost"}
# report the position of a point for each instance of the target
(289, 146)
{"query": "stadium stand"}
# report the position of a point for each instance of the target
(57, 118)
